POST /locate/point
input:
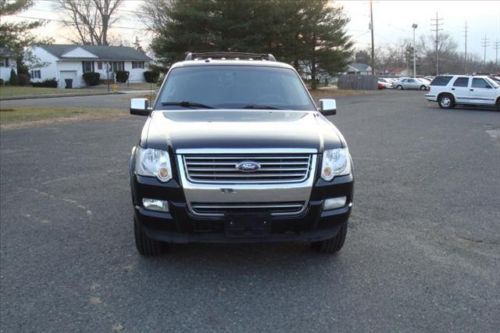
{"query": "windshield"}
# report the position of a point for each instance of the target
(492, 82)
(234, 87)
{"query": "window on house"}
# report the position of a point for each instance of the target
(118, 66)
(88, 66)
(137, 64)
(4, 62)
(36, 74)
(99, 65)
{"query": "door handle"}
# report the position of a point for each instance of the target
(452, 88)
(471, 89)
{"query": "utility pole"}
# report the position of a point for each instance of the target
(414, 26)
(437, 28)
(465, 54)
(497, 45)
(373, 42)
(484, 44)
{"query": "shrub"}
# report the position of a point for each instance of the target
(14, 81)
(122, 76)
(91, 78)
(1, 82)
(49, 83)
(151, 77)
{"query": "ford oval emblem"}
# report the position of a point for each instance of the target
(248, 166)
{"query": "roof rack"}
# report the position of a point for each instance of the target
(229, 55)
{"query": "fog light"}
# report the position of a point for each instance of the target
(154, 204)
(334, 203)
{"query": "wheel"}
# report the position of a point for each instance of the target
(498, 104)
(446, 101)
(423, 88)
(332, 245)
(145, 245)
(400, 87)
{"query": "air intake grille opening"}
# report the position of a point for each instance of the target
(275, 208)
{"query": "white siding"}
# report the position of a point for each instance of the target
(5, 71)
(49, 70)
(72, 66)
(136, 74)
(78, 53)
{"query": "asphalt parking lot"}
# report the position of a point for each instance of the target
(422, 251)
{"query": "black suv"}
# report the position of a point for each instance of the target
(234, 149)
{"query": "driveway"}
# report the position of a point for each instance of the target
(422, 251)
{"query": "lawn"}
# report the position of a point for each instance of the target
(27, 116)
(11, 91)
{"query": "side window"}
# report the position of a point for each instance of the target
(461, 82)
(480, 83)
(411, 81)
(441, 80)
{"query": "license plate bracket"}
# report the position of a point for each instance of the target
(247, 224)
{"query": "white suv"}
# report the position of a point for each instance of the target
(450, 90)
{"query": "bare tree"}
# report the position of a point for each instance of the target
(92, 19)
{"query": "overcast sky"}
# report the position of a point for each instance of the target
(392, 21)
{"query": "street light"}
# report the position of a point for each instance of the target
(414, 26)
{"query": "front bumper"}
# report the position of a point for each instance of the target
(180, 225)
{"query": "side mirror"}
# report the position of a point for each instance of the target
(328, 106)
(140, 107)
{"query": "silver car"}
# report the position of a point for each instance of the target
(412, 83)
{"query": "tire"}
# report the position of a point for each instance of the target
(332, 245)
(423, 88)
(399, 87)
(498, 104)
(146, 246)
(446, 101)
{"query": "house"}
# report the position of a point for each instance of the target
(71, 61)
(359, 69)
(7, 63)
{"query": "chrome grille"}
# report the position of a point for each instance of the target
(275, 208)
(222, 168)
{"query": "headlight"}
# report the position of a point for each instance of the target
(153, 162)
(336, 162)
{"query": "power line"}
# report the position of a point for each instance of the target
(373, 41)
(437, 28)
(484, 44)
(496, 46)
(72, 23)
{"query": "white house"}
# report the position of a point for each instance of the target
(359, 69)
(7, 63)
(71, 61)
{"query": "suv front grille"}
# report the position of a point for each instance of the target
(220, 209)
(223, 168)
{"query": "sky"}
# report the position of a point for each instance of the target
(392, 22)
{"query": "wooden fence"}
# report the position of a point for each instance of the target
(357, 82)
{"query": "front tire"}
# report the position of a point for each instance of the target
(146, 246)
(423, 88)
(446, 101)
(332, 245)
(498, 104)
(399, 87)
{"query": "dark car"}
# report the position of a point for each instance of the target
(234, 150)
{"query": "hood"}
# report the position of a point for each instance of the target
(191, 129)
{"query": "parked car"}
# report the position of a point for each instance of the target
(384, 83)
(412, 83)
(451, 90)
(234, 150)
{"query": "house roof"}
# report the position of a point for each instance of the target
(361, 67)
(6, 52)
(116, 53)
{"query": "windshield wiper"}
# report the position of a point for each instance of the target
(258, 106)
(188, 104)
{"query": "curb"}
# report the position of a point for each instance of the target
(58, 96)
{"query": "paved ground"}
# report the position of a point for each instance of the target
(422, 254)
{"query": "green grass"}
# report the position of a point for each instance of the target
(8, 91)
(23, 115)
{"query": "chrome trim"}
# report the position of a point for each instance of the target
(247, 151)
(246, 193)
(300, 207)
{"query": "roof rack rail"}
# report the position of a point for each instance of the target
(229, 55)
